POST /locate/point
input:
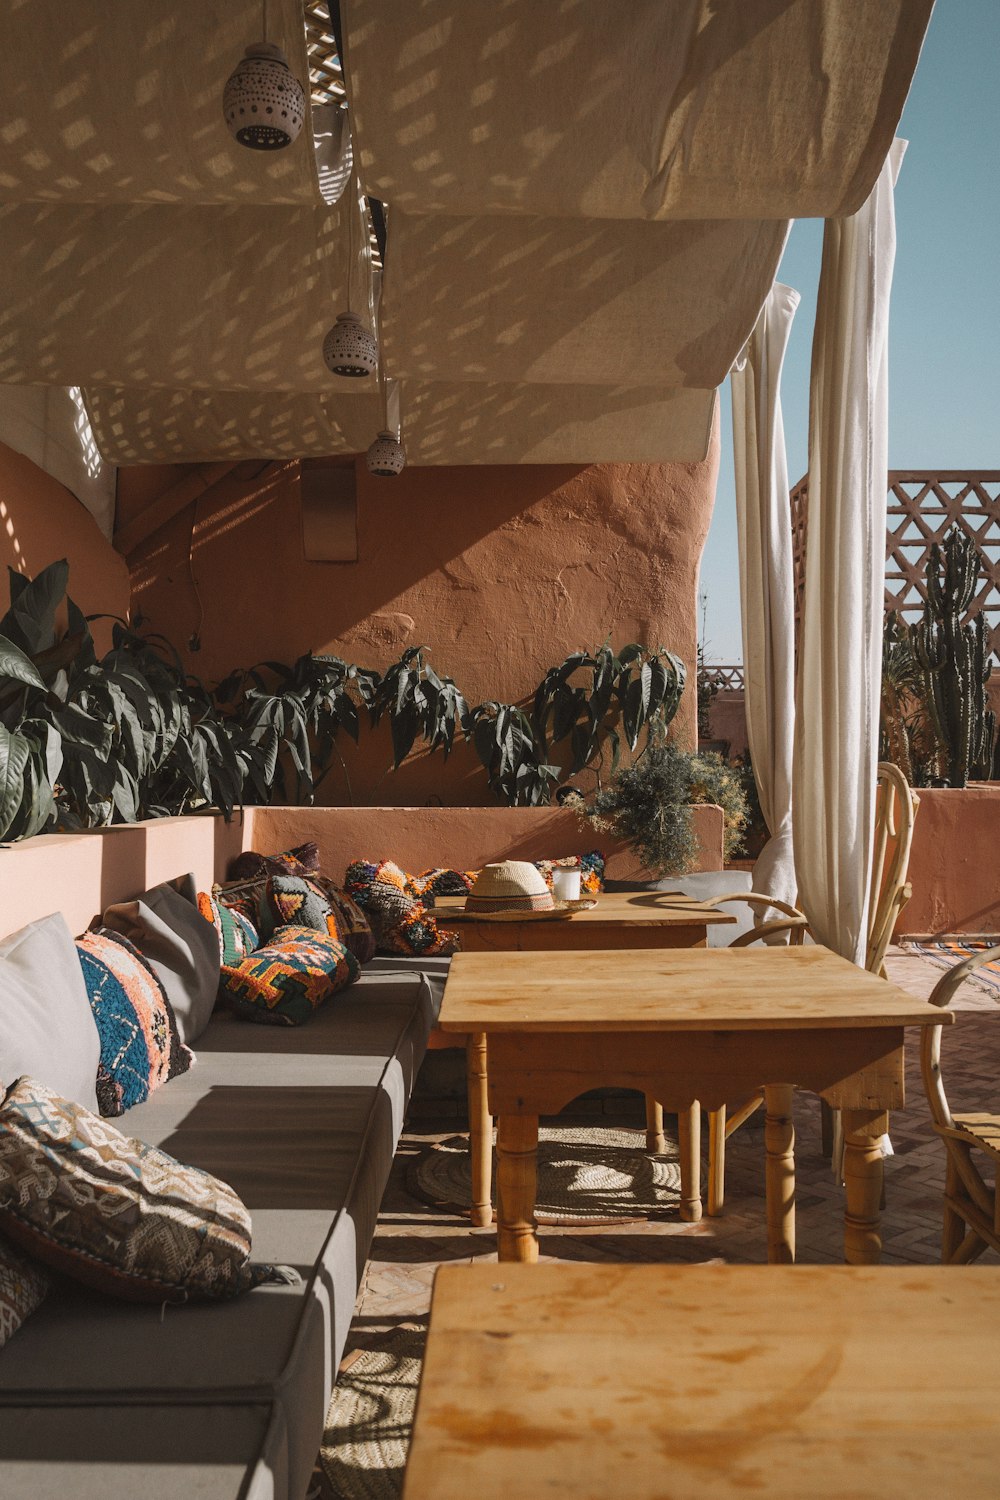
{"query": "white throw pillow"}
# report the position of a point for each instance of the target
(47, 1028)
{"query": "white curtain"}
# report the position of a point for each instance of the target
(840, 650)
(767, 584)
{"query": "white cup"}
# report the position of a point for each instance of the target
(566, 884)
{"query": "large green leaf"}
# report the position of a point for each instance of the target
(16, 665)
(14, 751)
(31, 620)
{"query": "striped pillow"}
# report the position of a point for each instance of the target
(141, 1047)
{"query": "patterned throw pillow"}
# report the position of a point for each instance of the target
(244, 896)
(140, 1044)
(401, 924)
(283, 983)
(114, 1213)
(433, 883)
(591, 867)
(314, 901)
(302, 860)
(22, 1290)
(237, 935)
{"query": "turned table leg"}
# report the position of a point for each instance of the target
(517, 1163)
(863, 1132)
(656, 1141)
(779, 1143)
(716, 1161)
(689, 1142)
(480, 1131)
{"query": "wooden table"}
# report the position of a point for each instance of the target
(708, 1381)
(710, 1025)
(648, 919)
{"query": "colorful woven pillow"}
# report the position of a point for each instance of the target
(401, 924)
(591, 867)
(237, 935)
(115, 1213)
(22, 1290)
(302, 860)
(314, 901)
(283, 983)
(140, 1044)
(433, 883)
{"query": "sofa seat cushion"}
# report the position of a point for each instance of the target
(303, 1124)
(156, 1452)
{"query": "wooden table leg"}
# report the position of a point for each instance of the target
(716, 1161)
(480, 1131)
(517, 1186)
(779, 1143)
(689, 1141)
(656, 1141)
(863, 1131)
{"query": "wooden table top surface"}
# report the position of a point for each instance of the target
(595, 1381)
(676, 989)
(642, 909)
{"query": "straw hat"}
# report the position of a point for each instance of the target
(514, 885)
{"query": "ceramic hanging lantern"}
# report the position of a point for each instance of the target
(349, 348)
(386, 456)
(263, 102)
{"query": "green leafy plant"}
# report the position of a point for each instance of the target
(714, 779)
(87, 742)
(509, 748)
(598, 699)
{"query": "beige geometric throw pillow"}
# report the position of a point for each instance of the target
(114, 1213)
(22, 1290)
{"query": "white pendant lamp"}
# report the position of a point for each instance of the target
(263, 102)
(349, 347)
(386, 457)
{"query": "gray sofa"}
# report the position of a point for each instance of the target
(101, 1399)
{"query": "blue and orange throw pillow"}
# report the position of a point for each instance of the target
(591, 867)
(141, 1047)
(285, 982)
(236, 933)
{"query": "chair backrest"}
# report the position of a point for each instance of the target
(930, 1037)
(896, 806)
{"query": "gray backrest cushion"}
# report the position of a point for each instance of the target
(171, 933)
(47, 1028)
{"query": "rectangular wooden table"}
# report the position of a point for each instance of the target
(708, 1381)
(684, 1026)
(647, 919)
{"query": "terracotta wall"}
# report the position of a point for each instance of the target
(954, 869)
(80, 874)
(500, 571)
(40, 522)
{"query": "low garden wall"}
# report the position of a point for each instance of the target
(81, 873)
(955, 862)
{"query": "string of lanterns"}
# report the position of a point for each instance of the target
(264, 106)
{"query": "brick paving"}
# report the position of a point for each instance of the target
(412, 1240)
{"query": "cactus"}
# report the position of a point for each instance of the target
(954, 661)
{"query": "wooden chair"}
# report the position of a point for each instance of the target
(722, 1123)
(896, 806)
(971, 1204)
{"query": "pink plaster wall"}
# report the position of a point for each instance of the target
(500, 571)
(727, 720)
(955, 862)
(80, 874)
(40, 522)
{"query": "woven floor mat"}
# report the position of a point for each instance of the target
(587, 1175)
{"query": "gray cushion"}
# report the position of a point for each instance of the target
(171, 933)
(47, 1028)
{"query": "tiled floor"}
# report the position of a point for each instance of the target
(412, 1240)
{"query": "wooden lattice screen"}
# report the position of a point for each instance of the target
(923, 506)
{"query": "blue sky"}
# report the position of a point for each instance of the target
(944, 388)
